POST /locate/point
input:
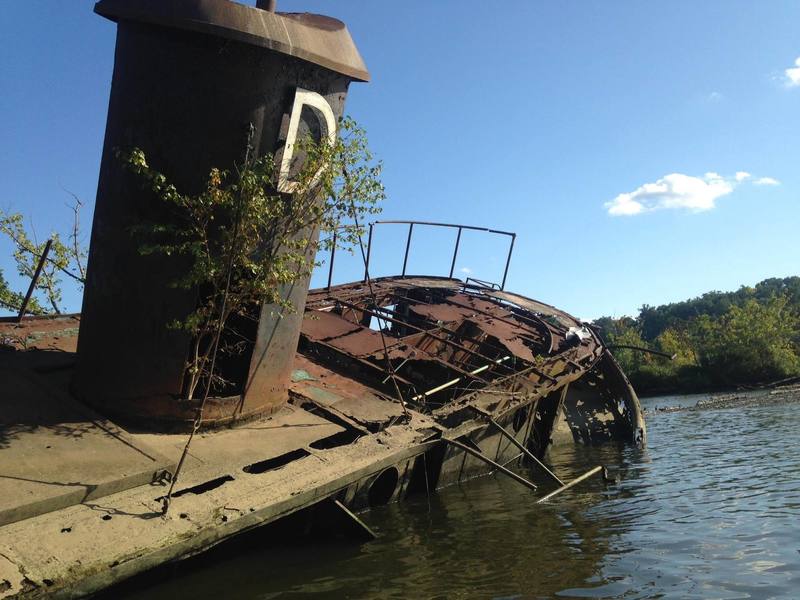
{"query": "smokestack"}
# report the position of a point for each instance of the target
(189, 79)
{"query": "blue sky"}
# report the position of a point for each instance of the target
(608, 135)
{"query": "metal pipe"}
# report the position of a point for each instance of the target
(508, 260)
(408, 247)
(333, 255)
(32, 286)
(455, 252)
(369, 250)
(452, 382)
(566, 486)
(527, 452)
(489, 461)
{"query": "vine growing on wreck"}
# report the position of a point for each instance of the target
(244, 244)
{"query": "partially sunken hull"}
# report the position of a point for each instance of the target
(485, 377)
(484, 365)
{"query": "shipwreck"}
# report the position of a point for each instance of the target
(371, 391)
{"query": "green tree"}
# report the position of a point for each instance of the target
(243, 243)
(9, 300)
(63, 259)
(754, 342)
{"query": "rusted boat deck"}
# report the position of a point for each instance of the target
(457, 355)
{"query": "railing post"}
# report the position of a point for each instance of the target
(508, 260)
(408, 246)
(333, 255)
(369, 250)
(455, 253)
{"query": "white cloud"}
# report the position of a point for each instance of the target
(715, 97)
(466, 270)
(676, 191)
(767, 181)
(792, 74)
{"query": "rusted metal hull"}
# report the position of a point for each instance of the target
(442, 334)
(371, 449)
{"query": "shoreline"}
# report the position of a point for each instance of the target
(736, 399)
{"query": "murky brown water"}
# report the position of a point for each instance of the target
(711, 509)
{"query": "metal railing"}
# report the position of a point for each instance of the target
(411, 225)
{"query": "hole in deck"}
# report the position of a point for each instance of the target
(337, 439)
(382, 489)
(378, 322)
(276, 462)
(201, 488)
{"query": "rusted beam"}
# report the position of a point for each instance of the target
(540, 332)
(455, 252)
(333, 255)
(452, 382)
(459, 370)
(338, 355)
(566, 486)
(489, 461)
(35, 278)
(508, 261)
(527, 452)
(486, 313)
(414, 327)
(359, 529)
(408, 247)
(369, 252)
(443, 327)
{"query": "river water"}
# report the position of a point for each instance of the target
(710, 509)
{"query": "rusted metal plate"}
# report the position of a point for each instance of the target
(59, 333)
(344, 394)
(448, 342)
(324, 326)
(440, 312)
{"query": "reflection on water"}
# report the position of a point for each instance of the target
(708, 510)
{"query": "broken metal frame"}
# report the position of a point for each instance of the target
(524, 450)
(441, 327)
(527, 328)
(386, 300)
(411, 224)
(417, 329)
(497, 466)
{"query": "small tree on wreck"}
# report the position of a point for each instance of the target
(244, 243)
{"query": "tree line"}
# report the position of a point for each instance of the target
(719, 340)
